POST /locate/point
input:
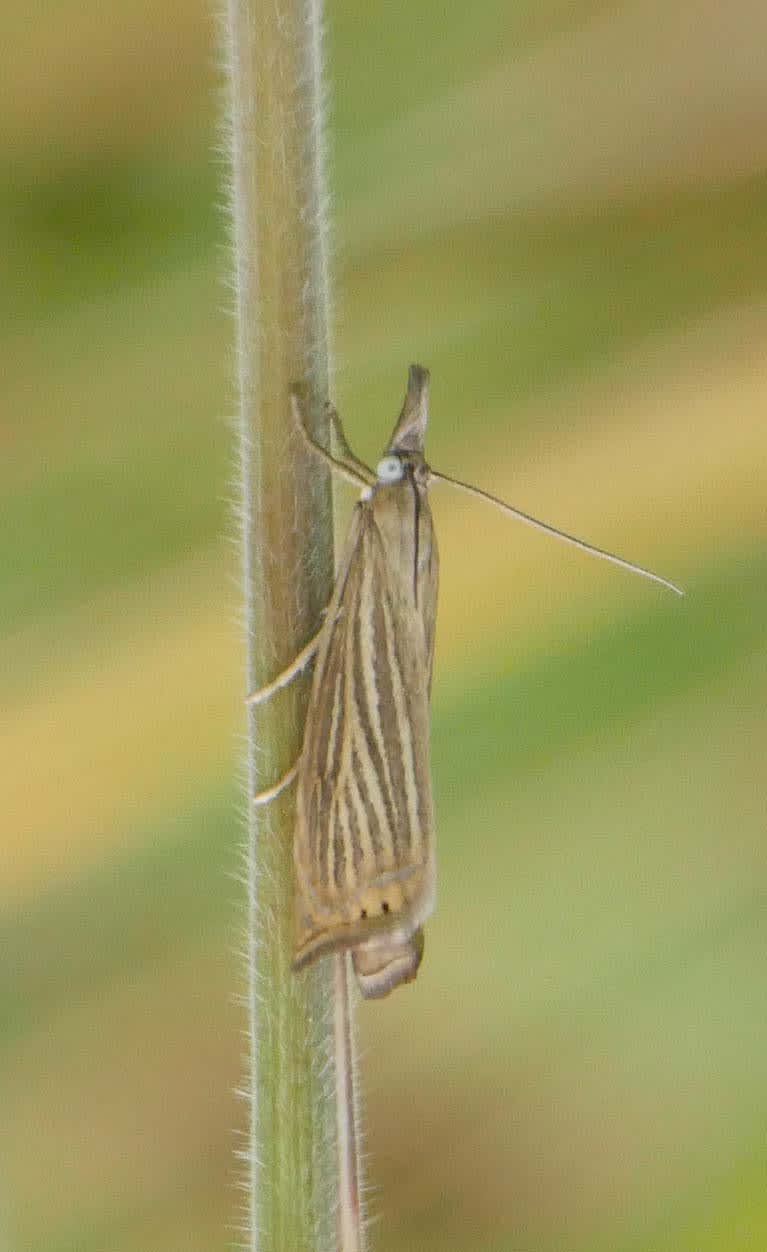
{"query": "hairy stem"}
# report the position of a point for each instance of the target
(349, 1220)
(281, 272)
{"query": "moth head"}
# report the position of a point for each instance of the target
(382, 962)
(393, 467)
(410, 432)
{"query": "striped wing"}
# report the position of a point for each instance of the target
(364, 838)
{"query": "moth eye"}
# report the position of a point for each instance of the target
(389, 470)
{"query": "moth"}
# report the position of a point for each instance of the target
(364, 838)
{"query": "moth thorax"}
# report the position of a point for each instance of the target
(383, 962)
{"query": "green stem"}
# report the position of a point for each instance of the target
(295, 1192)
(349, 1224)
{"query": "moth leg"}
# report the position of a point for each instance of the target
(271, 793)
(299, 663)
(340, 467)
(348, 456)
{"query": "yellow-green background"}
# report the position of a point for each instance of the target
(561, 208)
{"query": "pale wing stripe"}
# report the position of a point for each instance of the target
(366, 781)
(381, 800)
(345, 878)
(394, 794)
(340, 841)
(381, 840)
(345, 765)
(326, 851)
(329, 850)
(335, 720)
(367, 644)
(365, 862)
(369, 740)
(320, 829)
(385, 680)
(312, 809)
(406, 738)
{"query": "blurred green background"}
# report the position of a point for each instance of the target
(560, 207)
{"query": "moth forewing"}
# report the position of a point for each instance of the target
(364, 846)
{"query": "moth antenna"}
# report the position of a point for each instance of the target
(559, 534)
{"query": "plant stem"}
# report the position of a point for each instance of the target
(281, 272)
(348, 1221)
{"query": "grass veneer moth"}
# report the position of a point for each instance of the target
(364, 840)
